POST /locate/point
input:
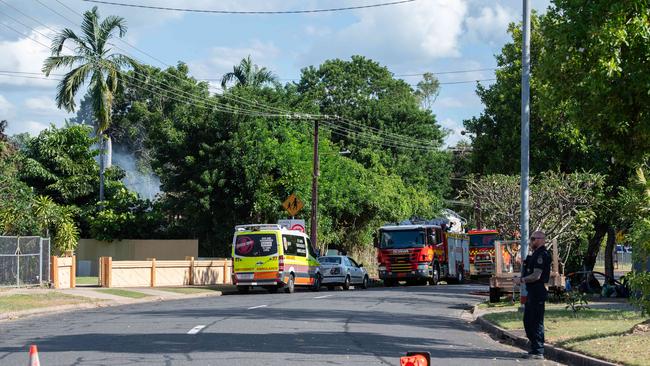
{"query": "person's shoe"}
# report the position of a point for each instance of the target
(536, 356)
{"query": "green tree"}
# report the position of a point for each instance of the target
(93, 59)
(248, 74)
(428, 90)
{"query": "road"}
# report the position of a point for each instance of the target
(357, 327)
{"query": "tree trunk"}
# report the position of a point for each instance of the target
(101, 167)
(109, 152)
(600, 229)
(609, 252)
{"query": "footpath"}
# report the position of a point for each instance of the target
(26, 302)
(610, 332)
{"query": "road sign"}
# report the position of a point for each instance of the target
(293, 204)
(295, 224)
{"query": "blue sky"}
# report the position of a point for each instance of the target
(416, 37)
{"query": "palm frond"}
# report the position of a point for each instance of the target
(59, 41)
(69, 85)
(55, 62)
(106, 28)
(121, 61)
(90, 28)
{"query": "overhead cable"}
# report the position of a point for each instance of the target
(252, 12)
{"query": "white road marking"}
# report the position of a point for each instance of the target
(322, 297)
(257, 307)
(196, 329)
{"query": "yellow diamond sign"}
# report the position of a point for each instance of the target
(293, 204)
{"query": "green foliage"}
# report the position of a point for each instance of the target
(576, 301)
(248, 74)
(60, 163)
(595, 66)
(640, 285)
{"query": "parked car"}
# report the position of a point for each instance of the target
(341, 270)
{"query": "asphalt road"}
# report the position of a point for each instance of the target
(357, 327)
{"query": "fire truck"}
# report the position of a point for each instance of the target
(481, 252)
(422, 253)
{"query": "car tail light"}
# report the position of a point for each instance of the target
(281, 263)
(335, 270)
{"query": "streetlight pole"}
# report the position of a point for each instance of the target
(525, 136)
(314, 190)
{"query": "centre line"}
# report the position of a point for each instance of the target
(322, 297)
(257, 307)
(196, 329)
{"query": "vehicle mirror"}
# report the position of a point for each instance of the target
(360, 265)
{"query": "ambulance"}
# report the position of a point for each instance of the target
(273, 257)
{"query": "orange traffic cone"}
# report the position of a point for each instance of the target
(33, 356)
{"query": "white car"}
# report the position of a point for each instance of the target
(341, 270)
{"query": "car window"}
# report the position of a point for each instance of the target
(354, 264)
(255, 245)
(346, 261)
(333, 260)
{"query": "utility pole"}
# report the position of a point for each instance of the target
(525, 136)
(314, 190)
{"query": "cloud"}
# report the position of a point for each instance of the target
(31, 127)
(490, 24)
(43, 105)
(222, 59)
(27, 56)
(454, 128)
(6, 108)
(398, 35)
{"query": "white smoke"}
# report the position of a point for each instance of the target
(145, 184)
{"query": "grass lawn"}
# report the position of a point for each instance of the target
(504, 303)
(87, 281)
(597, 332)
(124, 293)
(19, 302)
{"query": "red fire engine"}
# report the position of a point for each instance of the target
(421, 254)
(481, 252)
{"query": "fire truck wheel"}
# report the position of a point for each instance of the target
(346, 284)
(460, 275)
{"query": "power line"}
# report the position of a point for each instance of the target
(2, 74)
(253, 12)
(398, 140)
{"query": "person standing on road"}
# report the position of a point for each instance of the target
(536, 274)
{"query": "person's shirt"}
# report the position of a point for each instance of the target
(540, 259)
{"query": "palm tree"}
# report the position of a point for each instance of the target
(92, 59)
(248, 74)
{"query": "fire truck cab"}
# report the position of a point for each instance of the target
(420, 254)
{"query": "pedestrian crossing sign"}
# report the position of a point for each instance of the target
(293, 204)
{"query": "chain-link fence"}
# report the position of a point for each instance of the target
(24, 260)
(621, 260)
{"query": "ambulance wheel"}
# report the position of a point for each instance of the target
(291, 285)
(364, 284)
(317, 283)
(243, 289)
(346, 284)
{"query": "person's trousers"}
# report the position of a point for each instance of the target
(534, 325)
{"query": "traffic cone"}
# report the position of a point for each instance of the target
(33, 356)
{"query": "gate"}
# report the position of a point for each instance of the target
(24, 260)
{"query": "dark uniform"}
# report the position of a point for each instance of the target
(537, 294)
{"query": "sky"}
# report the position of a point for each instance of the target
(409, 38)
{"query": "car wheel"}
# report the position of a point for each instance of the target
(364, 284)
(317, 283)
(346, 284)
(291, 285)
(243, 289)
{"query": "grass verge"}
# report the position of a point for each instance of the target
(18, 302)
(123, 293)
(87, 280)
(189, 290)
(601, 333)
